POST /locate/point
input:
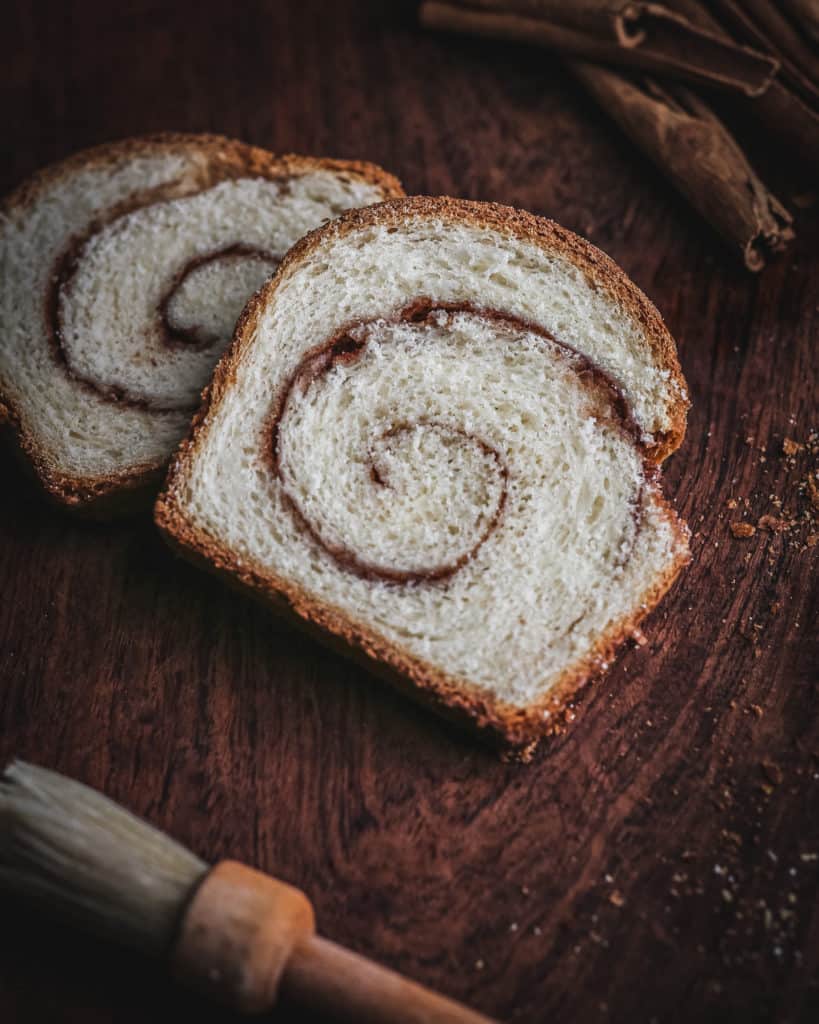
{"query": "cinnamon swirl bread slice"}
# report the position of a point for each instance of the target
(435, 440)
(123, 271)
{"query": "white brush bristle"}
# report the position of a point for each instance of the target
(79, 854)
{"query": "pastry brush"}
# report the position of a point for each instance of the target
(229, 931)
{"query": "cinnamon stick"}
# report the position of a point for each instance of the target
(786, 116)
(648, 36)
(673, 126)
(693, 148)
(760, 22)
(806, 14)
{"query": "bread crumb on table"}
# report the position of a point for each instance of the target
(783, 518)
(772, 523)
(813, 490)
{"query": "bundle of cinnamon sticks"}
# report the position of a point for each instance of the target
(658, 69)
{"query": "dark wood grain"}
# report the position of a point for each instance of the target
(660, 862)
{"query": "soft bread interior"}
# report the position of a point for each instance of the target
(360, 275)
(461, 488)
(109, 309)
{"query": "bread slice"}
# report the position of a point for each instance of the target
(123, 271)
(435, 441)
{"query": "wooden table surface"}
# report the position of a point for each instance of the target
(658, 863)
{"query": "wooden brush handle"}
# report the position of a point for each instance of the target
(342, 986)
(246, 937)
(237, 935)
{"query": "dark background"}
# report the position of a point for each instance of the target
(658, 863)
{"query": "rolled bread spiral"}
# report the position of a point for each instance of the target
(124, 270)
(435, 441)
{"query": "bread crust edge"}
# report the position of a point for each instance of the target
(515, 730)
(599, 270)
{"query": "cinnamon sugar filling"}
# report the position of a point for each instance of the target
(164, 330)
(345, 349)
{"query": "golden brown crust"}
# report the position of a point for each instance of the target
(457, 699)
(599, 269)
(106, 495)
